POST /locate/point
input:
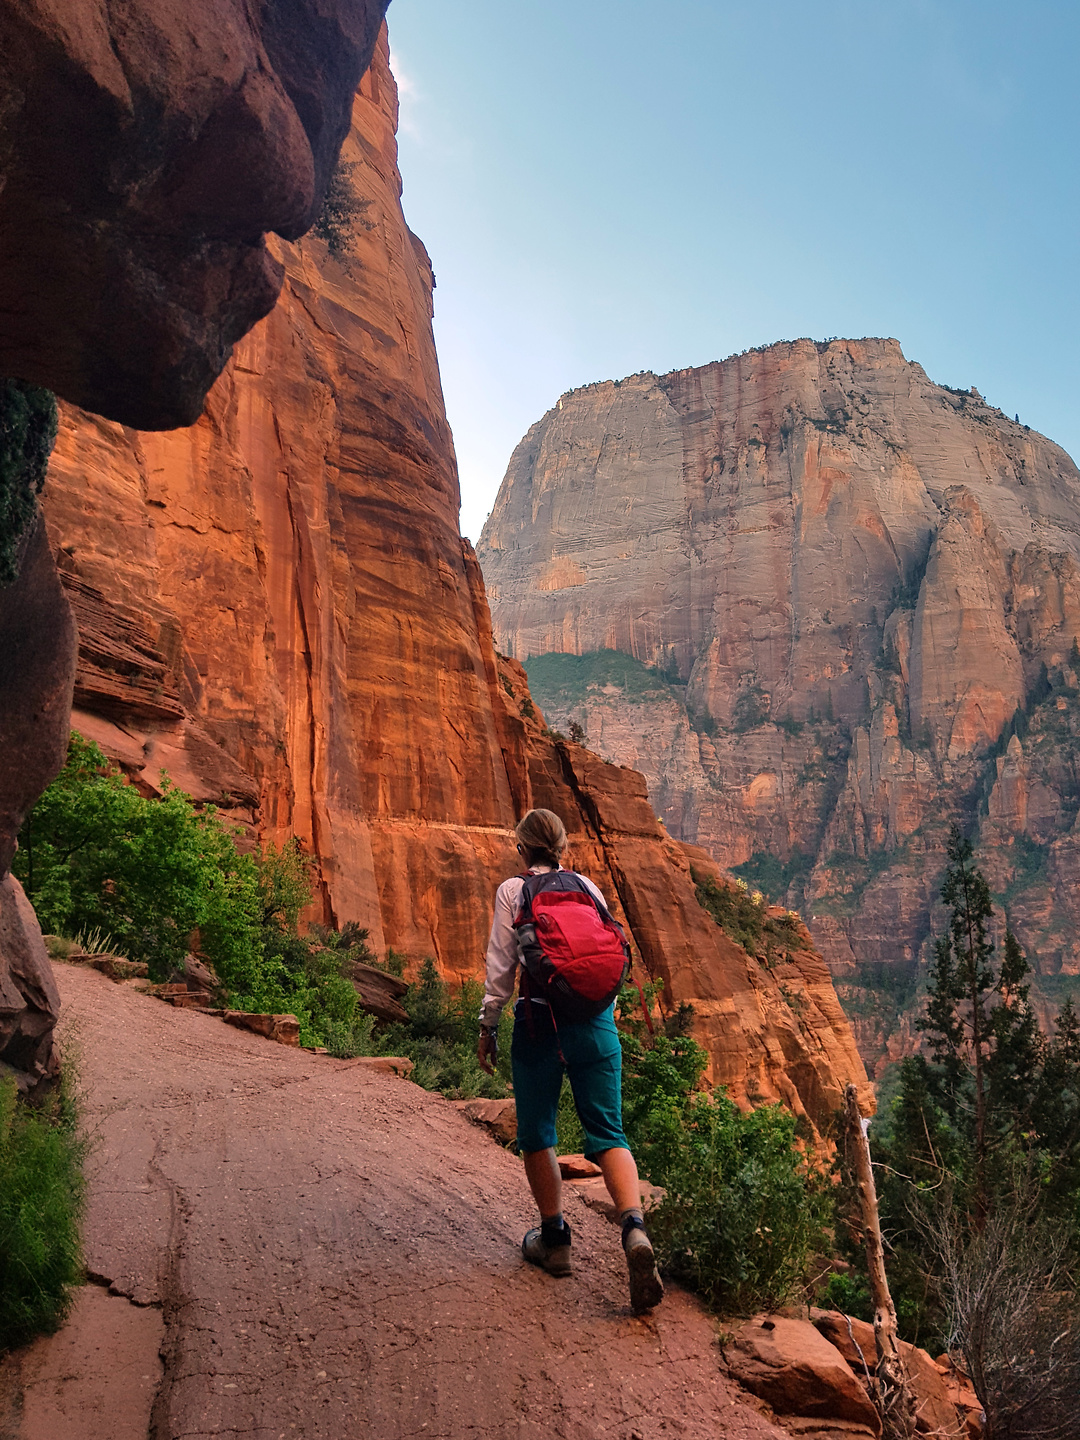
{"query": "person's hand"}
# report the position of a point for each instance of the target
(487, 1050)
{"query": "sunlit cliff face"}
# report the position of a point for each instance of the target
(146, 147)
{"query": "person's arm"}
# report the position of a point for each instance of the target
(502, 963)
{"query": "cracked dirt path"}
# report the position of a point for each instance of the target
(336, 1254)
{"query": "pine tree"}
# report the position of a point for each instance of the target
(961, 983)
(1015, 1065)
(1057, 1109)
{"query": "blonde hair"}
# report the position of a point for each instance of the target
(543, 836)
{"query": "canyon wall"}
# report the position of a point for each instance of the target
(276, 608)
(837, 590)
(146, 150)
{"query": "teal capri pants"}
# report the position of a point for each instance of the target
(593, 1061)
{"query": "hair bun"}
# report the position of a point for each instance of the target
(543, 834)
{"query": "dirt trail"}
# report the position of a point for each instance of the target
(336, 1254)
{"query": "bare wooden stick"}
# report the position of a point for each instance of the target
(894, 1396)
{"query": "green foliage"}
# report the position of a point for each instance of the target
(157, 876)
(848, 1292)
(991, 1101)
(27, 436)
(744, 1212)
(97, 853)
(558, 681)
(744, 917)
(771, 875)
(41, 1204)
(342, 214)
(439, 1037)
(751, 710)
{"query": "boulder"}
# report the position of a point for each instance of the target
(386, 1064)
(961, 1392)
(379, 992)
(595, 1194)
(29, 1001)
(847, 1333)
(285, 1029)
(935, 1410)
(791, 1365)
(497, 1116)
(147, 149)
(817, 1429)
(576, 1167)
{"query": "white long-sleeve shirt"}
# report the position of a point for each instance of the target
(502, 951)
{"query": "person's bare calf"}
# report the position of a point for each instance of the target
(548, 1246)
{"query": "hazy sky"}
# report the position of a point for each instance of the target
(610, 186)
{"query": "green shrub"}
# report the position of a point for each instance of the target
(744, 917)
(41, 1202)
(150, 875)
(96, 854)
(745, 1212)
(771, 875)
(441, 1035)
(343, 212)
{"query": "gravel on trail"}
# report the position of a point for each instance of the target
(335, 1253)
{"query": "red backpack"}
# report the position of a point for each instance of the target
(573, 954)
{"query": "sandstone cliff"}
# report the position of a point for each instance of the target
(842, 583)
(146, 149)
(276, 607)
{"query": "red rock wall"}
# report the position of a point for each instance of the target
(277, 607)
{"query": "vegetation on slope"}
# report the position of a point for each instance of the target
(41, 1201)
(559, 680)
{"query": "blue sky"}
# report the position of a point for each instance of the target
(611, 186)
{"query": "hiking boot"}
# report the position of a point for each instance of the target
(646, 1287)
(555, 1259)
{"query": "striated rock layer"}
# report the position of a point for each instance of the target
(845, 586)
(276, 607)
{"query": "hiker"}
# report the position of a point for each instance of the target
(564, 1027)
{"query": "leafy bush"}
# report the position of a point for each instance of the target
(96, 854)
(441, 1034)
(745, 1212)
(343, 212)
(771, 875)
(559, 680)
(41, 1202)
(152, 876)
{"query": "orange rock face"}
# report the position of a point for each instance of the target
(839, 583)
(278, 609)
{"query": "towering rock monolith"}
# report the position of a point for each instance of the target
(835, 589)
